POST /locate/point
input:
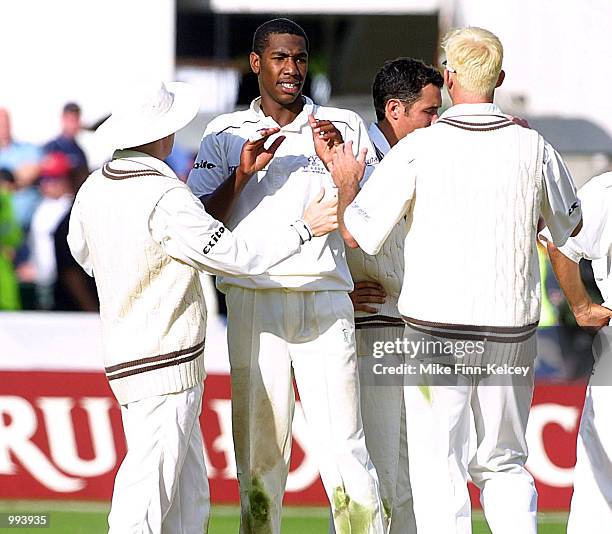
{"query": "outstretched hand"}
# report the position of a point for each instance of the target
(325, 137)
(254, 156)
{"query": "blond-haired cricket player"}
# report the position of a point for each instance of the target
(473, 186)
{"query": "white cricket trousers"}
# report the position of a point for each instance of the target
(591, 508)
(438, 427)
(384, 424)
(270, 333)
(161, 486)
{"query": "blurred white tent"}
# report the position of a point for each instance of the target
(53, 52)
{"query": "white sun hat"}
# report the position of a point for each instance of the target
(148, 111)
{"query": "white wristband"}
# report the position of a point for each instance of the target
(303, 230)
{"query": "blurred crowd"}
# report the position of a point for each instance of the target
(37, 189)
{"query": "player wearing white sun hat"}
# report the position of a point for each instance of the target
(141, 233)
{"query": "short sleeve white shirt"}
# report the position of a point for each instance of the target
(594, 241)
(278, 194)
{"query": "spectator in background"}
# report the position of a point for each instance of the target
(58, 193)
(74, 290)
(66, 142)
(22, 159)
(10, 237)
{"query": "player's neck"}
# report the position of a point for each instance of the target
(463, 97)
(388, 132)
(282, 114)
(156, 149)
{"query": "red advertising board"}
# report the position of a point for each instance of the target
(61, 438)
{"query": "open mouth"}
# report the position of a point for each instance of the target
(290, 87)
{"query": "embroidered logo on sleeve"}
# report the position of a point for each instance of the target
(213, 240)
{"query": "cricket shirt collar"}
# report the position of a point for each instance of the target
(295, 126)
(144, 160)
(464, 110)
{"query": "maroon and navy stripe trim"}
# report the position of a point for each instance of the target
(500, 334)
(118, 174)
(152, 363)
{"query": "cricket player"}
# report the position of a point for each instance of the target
(473, 186)
(591, 508)
(406, 95)
(296, 320)
(142, 234)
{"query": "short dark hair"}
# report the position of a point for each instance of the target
(72, 107)
(402, 78)
(276, 26)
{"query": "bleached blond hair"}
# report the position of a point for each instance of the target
(476, 57)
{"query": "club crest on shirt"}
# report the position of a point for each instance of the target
(314, 165)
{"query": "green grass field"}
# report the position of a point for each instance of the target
(90, 518)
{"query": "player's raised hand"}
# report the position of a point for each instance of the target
(325, 137)
(347, 171)
(254, 155)
(321, 216)
(366, 293)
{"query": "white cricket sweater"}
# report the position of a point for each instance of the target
(151, 306)
(476, 184)
(472, 239)
(386, 267)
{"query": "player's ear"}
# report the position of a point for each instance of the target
(447, 79)
(254, 60)
(394, 109)
(501, 78)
